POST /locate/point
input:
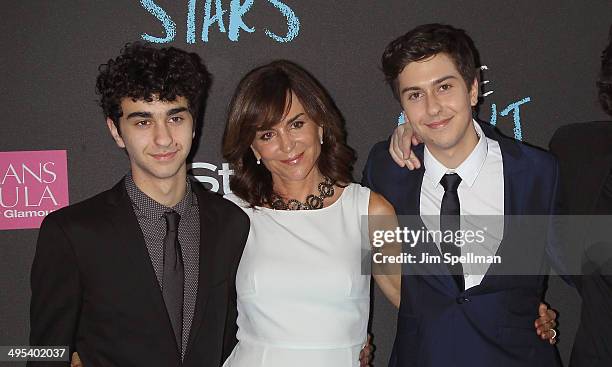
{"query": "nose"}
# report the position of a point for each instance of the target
(433, 105)
(163, 135)
(287, 142)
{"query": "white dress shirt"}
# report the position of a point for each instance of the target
(481, 193)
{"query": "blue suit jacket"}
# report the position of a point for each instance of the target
(490, 324)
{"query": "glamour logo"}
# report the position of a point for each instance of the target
(32, 184)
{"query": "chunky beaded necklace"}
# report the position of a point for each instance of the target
(326, 189)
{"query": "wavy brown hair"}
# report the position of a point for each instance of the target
(262, 99)
(425, 41)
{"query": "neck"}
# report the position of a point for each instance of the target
(454, 156)
(168, 191)
(298, 190)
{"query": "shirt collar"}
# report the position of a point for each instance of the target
(468, 170)
(145, 205)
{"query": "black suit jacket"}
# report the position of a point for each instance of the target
(94, 287)
(584, 151)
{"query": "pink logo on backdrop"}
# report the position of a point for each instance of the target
(32, 185)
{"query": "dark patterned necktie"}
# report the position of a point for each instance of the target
(450, 221)
(173, 278)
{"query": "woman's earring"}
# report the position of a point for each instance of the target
(321, 140)
(258, 161)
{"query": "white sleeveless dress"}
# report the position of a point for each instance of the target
(302, 300)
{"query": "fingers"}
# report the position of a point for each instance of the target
(409, 138)
(394, 148)
(76, 361)
(542, 309)
(406, 148)
(365, 355)
(400, 147)
(546, 323)
(406, 143)
(544, 328)
(364, 359)
(414, 161)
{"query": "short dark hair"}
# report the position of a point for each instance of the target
(143, 72)
(604, 84)
(425, 41)
(261, 101)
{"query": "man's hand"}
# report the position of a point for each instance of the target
(401, 147)
(365, 356)
(545, 324)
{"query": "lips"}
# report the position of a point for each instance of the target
(293, 160)
(164, 156)
(438, 124)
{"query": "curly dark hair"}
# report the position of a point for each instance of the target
(425, 41)
(604, 84)
(143, 72)
(261, 101)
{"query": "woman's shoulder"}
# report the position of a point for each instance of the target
(357, 189)
(237, 200)
(379, 205)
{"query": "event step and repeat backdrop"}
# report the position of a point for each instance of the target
(538, 59)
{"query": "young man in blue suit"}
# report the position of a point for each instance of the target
(452, 317)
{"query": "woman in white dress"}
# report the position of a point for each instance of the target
(302, 298)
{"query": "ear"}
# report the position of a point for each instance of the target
(257, 155)
(320, 130)
(474, 93)
(115, 133)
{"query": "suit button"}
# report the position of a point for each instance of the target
(462, 300)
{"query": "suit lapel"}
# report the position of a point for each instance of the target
(129, 234)
(514, 170)
(208, 242)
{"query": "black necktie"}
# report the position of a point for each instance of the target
(172, 289)
(450, 221)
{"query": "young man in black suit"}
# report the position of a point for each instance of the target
(143, 274)
(586, 177)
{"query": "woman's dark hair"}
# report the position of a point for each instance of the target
(142, 72)
(604, 84)
(262, 99)
(426, 41)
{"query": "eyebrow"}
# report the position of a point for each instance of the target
(174, 111)
(139, 114)
(143, 114)
(259, 128)
(294, 118)
(437, 81)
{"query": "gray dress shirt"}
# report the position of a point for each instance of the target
(150, 215)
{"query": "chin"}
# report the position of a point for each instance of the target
(165, 173)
